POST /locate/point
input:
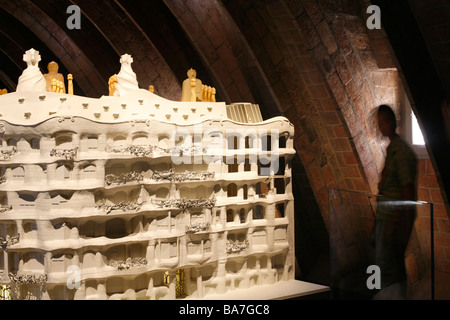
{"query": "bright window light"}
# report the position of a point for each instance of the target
(417, 137)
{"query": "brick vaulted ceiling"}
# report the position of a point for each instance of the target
(313, 61)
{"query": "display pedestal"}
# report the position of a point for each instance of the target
(279, 291)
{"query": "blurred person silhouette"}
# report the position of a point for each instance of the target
(396, 210)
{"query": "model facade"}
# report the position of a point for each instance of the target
(133, 196)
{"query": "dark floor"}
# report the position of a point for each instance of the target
(423, 290)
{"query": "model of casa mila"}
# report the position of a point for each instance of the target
(133, 196)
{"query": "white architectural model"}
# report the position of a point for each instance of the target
(133, 196)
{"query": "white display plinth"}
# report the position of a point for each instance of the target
(279, 291)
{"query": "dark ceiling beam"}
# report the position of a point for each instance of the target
(11, 61)
(9, 72)
(12, 50)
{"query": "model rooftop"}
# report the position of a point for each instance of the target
(40, 97)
